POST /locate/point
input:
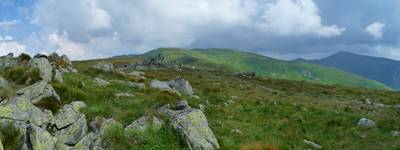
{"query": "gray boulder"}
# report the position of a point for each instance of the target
(366, 123)
(191, 124)
(3, 83)
(101, 82)
(156, 84)
(181, 85)
(397, 107)
(38, 139)
(312, 144)
(21, 109)
(144, 122)
(107, 67)
(58, 76)
(36, 92)
(91, 141)
(46, 70)
(71, 123)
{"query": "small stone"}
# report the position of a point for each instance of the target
(313, 144)
(236, 131)
(395, 133)
(101, 82)
(124, 95)
(366, 123)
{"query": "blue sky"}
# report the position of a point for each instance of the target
(285, 29)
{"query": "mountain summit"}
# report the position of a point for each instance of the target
(384, 70)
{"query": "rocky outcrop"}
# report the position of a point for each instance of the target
(107, 67)
(191, 124)
(8, 61)
(145, 122)
(38, 139)
(366, 123)
(58, 76)
(46, 70)
(38, 91)
(1, 145)
(181, 85)
(72, 122)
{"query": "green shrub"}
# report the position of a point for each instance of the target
(11, 137)
(24, 58)
(22, 74)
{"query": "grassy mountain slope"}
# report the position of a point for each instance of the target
(230, 60)
(384, 70)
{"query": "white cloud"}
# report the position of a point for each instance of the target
(8, 38)
(296, 17)
(375, 30)
(11, 47)
(392, 52)
(117, 26)
(8, 23)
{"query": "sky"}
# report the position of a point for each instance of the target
(285, 29)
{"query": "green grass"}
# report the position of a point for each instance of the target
(230, 60)
(270, 113)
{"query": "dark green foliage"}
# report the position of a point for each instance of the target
(23, 58)
(49, 103)
(11, 137)
(22, 74)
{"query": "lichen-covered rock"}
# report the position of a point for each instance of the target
(71, 124)
(39, 139)
(38, 91)
(91, 141)
(21, 109)
(46, 70)
(3, 82)
(191, 124)
(1, 145)
(181, 85)
(58, 76)
(144, 122)
(107, 67)
(101, 82)
(156, 84)
(366, 123)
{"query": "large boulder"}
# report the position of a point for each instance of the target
(181, 85)
(71, 124)
(58, 76)
(21, 109)
(91, 141)
(144, 122)
(107, 67)
(156, 84)
(36, 92)
(38, 139)
(8, 61)
(366, 123)
(46, 70)
(191, 124)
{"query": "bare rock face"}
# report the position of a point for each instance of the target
(46, 70)
(58, 76)
(191, 124)
(181, 85)
(38, 91)
(145, 122)
(107, 67)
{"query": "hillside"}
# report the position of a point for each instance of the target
(384, 70)
(97, 105)
(236, 61)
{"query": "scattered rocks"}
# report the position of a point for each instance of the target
(101, 82)
(46, 70)
(107, 67)
(366, 123)
(191, 124)
(313, 144)
(245, 74)
(38, 91)
(181, 85)
(144, 122)
(124, 95)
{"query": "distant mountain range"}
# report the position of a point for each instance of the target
(383, 70)
(238, 61)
